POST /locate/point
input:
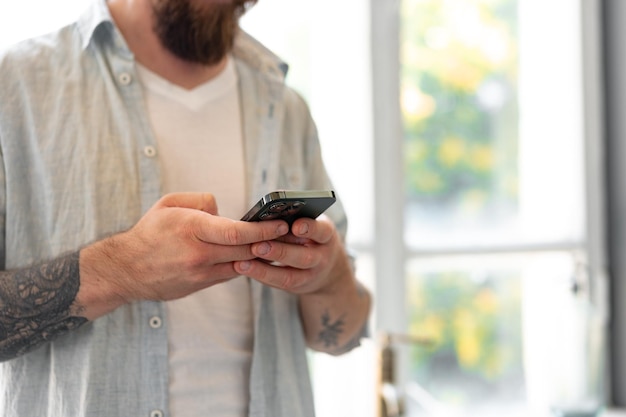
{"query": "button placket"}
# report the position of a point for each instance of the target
(156, 322)
(124, 78)
(149, 151)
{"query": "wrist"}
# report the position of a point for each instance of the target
(341, 278)
(103, 277)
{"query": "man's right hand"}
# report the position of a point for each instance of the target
(178, 247)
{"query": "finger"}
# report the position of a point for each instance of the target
(281, 277)
(224, 231)
(295, 240)
(297, 256)
(222, 272)
(217, 254)
(320, 231)
(197, 201)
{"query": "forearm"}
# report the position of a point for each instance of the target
(44, 301)
(37, 304)
(335, 317)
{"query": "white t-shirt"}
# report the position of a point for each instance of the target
(200, 146)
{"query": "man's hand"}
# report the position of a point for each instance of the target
(310, 259)
(311, 262)
(178, 247)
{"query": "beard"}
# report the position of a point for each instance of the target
(199, 34)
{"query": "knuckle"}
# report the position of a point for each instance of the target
(194, 260)
(288, 282)
(309, 259)
(232, 236)
(280, 252)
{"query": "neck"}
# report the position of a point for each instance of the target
(135, 20)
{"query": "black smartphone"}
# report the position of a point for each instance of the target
(290, 205)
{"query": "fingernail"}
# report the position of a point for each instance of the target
(263, 248)
(244, 265)
(304, 228)
(282, 229)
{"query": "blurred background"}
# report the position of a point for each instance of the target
(476, 147)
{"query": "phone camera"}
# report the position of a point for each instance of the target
(278, 207)
(282, 209)
(292, 209)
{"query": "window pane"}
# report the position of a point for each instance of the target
(477, 130)
(474, 316)
(494, 157)
(509, 333)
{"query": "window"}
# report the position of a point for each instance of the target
(499, 229)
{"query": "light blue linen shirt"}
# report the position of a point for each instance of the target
(78, 161)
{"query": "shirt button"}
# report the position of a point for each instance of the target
(124, 78)
(156, 413)
(150, 151)
(156, 322)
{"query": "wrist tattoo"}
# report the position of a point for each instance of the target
(37, 304)
(331, 330)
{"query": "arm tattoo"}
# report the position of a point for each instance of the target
(37, 305)
(331, 331)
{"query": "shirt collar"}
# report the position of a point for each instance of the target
(258, 56)
(96, 15)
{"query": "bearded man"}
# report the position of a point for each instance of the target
(131, 142)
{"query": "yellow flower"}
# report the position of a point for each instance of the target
(428, 182)
(458, 73)
(467, 343)
(451, 151)
(468, 350)
(486, 301)
(481, 158)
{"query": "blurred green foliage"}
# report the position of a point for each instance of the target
(474, 320)
(459, 102)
